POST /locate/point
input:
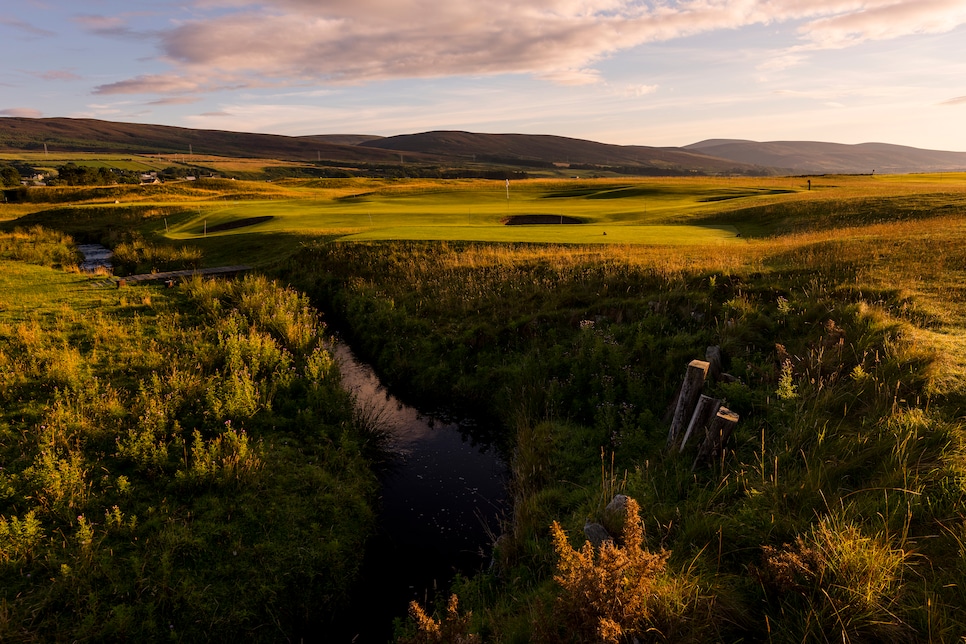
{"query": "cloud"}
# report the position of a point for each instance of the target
(959, 100)
(58, 75)
(22, 112)
(561, 41)
(113, 26)
(782, 62)
(885, 20)
(175, 100)
(640, 90)
(25, 27)
(150, 84)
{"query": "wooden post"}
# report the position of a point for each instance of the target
(705, 410)
(687, 399)
(713, 358)
(717, 435)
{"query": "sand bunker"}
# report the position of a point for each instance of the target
(238, 223)
(531, 220)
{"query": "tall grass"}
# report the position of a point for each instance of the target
(179, 463)
(844, 343)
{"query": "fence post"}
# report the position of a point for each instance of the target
(687, 399)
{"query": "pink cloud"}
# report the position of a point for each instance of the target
(25, 27)
(59, 75)
(358, 41)
(885, 20)
(175, 100)
(22, 112)
(150, 84)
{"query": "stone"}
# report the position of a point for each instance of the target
(597, 534)
(615, 515)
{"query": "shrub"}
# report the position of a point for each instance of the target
(619, 592)
(451, 629)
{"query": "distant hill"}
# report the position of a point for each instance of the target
(455, 149)
(533, 149)
(810, 157)
(446, 148)
(91, 135)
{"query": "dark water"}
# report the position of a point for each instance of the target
(442, 497)
(95, 256)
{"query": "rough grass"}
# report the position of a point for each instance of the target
(847, 343)
(175, 462)
(836, 513)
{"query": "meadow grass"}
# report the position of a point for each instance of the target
(837, 511)
(176, 462)
(835, 514)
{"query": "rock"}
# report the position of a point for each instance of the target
(615, 515)
(597, 534)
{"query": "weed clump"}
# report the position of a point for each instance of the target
(621, 592)
(836, 583)
(451, 629)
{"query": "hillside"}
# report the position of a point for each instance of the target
(530, 149)
(91, 135)
(462, 149)
(810, 157)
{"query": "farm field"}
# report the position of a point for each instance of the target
(837, 302)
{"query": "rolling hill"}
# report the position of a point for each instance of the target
(91, 135)
(462, 149)
(810, 157)
(531, 149)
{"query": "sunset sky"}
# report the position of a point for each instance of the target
(662, 73)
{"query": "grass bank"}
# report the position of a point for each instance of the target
(177, 463)
(837, 512)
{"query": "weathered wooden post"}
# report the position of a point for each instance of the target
(713, 357)
(705, 410)
(687, 399)
(717, 435)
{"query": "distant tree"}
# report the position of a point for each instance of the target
(78, 175)
(9, 176)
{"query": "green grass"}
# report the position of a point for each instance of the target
(174, 460)
(474, 211)
(841, 311)
(27, 290)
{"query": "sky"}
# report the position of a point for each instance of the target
(629, 72)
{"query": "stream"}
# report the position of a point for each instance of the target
(442, 498)
(95, 256)
(443, 493)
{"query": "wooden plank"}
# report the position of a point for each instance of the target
(716, 437)
(179, 275)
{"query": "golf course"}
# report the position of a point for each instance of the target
(181, 460)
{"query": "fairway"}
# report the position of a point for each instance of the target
(623, 212)
(559, 234)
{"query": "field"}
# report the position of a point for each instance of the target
(836, 513)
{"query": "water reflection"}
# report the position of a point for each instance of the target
(95, 256)
(441, 499)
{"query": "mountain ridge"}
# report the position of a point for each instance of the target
(449, 147)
